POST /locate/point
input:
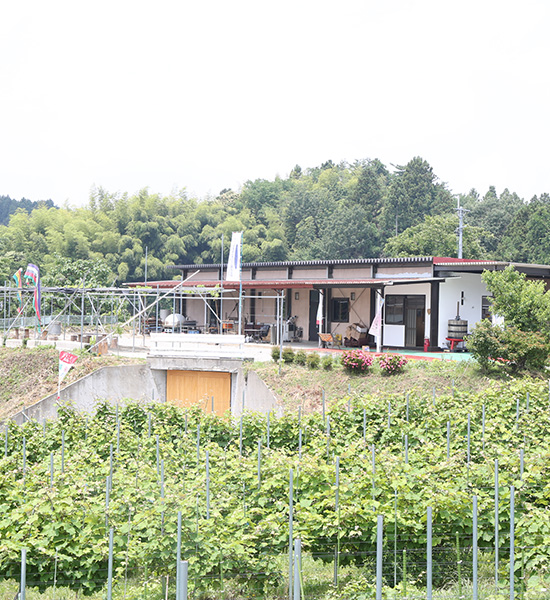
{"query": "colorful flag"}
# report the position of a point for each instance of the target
(33, 274)
(18, 276)
(66, 361)
(234, 262)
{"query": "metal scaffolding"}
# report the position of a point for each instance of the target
(82, 312)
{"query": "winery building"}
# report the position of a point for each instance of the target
(420, 296)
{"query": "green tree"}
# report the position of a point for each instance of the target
(493, 213)
(259, 194)
(508, 347)
(414, 193)
(310, 205)
(523, 303)
(370, 190)
(67, 272)
(349, 233)
(436, 236)
(526, 238)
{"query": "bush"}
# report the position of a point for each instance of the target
(313, 360)
(508, 347)
(390, 364)
(300, 358)
(356, 361)
(326, 362)
(275, 353)
(288, 355)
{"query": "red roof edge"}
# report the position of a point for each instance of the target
(447, 259)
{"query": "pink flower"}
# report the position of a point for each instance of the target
(391, 363)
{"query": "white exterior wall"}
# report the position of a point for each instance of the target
(309, 273)
(404, 271)
(197, 310)
(205, 275)
(271, 274)
(394, 335)
(300, 309)
(450, 294)
(356, 272)
(230, 308)
(266, 306)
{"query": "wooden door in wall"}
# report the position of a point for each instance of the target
(190, 388)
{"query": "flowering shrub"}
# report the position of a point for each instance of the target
(390, 364)
(356, 361)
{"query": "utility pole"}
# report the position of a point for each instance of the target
(460, 228)
(145, 266)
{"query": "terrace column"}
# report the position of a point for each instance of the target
(434, 315)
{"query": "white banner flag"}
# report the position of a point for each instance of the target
(319, 318)
(234, 262)
(376, 325)
(66, 361)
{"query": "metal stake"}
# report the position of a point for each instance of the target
(207, 486)
(512, 540)
(448, 440)
(297, 560)
(379, 548)
(110, 566)
(474, 550)
(290, 532)
(429, 555)
(496, 523)
(483, 429)
(178, 556)
(23, 583)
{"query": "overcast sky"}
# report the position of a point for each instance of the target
(208, 94)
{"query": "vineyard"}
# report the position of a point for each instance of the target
(407, 496)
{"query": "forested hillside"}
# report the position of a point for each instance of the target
(8, 206)
(333, 211)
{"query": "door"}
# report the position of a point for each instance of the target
(313, 305)
(415, 321)
(189, 388)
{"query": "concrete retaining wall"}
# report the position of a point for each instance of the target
(108, 383)
(257, 397)
(146, 383)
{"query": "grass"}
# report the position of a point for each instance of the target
(299, 386)
(354, 583)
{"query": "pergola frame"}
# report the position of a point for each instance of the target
(100, 309)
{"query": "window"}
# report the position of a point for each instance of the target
(340, 310)
(486, 307)
(395, 310)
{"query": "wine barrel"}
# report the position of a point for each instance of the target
(457, 328)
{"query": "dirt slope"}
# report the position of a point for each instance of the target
(28, 375)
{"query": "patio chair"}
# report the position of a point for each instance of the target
(327, 340)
